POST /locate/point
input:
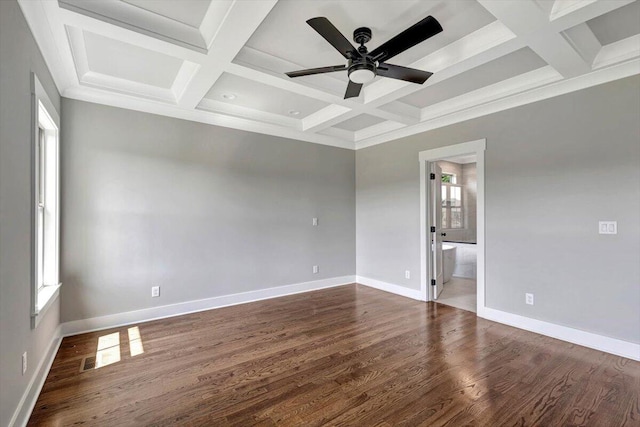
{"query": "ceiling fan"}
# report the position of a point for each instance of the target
(363, 65)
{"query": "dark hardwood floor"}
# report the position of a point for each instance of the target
(343, 356)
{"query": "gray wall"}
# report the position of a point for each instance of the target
(553, 169)
(19, 55)
(199, 210)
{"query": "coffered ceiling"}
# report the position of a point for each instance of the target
(222, 62)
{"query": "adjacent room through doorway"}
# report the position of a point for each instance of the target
(458, 193)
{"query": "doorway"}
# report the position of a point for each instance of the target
(452, 231)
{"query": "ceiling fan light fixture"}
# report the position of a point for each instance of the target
(362, 65)
(362, 73)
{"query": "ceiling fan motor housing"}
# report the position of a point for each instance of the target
(362, 35)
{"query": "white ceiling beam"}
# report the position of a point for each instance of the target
(531, 24)
(249, 113)
(481, 46)
(621, 51)
(214, 17)
(322, 116)
(328, 122)
(185, 74)
(477, 48)
(513, 86)
(584, 42)
(138, 19)
(583, 11)
(241, 21)
(290, 85)
(97, 26)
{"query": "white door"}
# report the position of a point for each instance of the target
(436, 234)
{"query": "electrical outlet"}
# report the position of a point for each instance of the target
(315, 269)
(315, 221)
(407, 274)
(24, 363)
(155, 291)
(528, 298)
(608, 227)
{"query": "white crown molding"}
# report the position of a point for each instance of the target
(98, 96)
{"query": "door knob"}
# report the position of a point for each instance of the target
(443, 234)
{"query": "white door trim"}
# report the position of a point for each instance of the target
(425, 157)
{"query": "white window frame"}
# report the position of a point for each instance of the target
(447, 196)
(45, 212)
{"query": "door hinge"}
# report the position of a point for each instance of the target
(433, 282)
(432, 176)
(433, 229)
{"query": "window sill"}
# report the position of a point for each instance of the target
(46, 296)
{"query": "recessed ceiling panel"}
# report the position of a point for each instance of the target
(126, 61)
(285, 34)
(359, 122)
(518, 62)
(617, 25)
(237, 90)
(186, 55)
(188, 12)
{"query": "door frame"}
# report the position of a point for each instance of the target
(476, 147)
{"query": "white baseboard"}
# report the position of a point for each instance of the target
(576, 336)
(30, 396)
(587, 339)
(120, 319)
(390, 287)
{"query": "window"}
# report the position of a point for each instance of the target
(451, 205)
(45, 180)
(449, 178)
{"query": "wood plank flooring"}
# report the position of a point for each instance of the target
(349, 355)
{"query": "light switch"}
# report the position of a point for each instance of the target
(608, 227)
(315, 221)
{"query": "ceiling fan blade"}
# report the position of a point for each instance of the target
(326, 29)
(403, 73)
(410, 37)
(353, 90)
(320, 70)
